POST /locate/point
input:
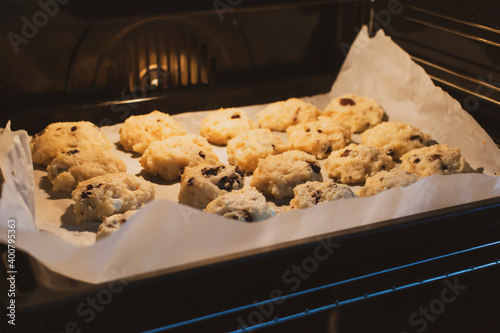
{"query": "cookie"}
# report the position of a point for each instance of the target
(137, 132)
(244, 205)
(434, 160)
(394, 138)
(74, 165)
(358, 113)
(277, 175)
(112, 223)
(279, 116)
(320, 137)
(353, 164)
(221, 126)
(247, 149)
(110, 194)
(168, 158)
(205, 182)
(312, 193)
(385, 180)
(54, 138)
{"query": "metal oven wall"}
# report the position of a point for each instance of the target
(91, 57)
(457, 43)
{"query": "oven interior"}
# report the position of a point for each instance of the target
(104, 61)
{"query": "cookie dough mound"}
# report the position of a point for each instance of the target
(110, 194)
(112, 223)
(312, 193)
(74, 165)
(168, 158)
(358, 113)
(355, 163)
(137, 132)
(394, 138)
(385, 180)
(244, 205)
(225, 124)
(277, 175)
(319, 137)
(434, 160)
(54, 138)
(279, 115)
(205, 182)
(247, 149)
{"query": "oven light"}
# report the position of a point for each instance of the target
(153, 77)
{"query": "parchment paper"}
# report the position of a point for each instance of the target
(167, 235)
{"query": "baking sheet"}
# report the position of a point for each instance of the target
(164, 234)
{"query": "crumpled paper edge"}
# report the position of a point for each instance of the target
(18, 194)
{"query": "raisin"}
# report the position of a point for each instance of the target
(73, 151)
(212, 171)
(315, 168)
(415, 137)
(190, 181)
(346, 153)
(201, 154)
(238, 171)
(246, 215)
(85, 195)
(89, 187)
(308, 130)
(317, 196)
(346, 101)
(73, 128)
(225, 183)
(235, 116)
(236, 177)
(320, 131)
(434, 157)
